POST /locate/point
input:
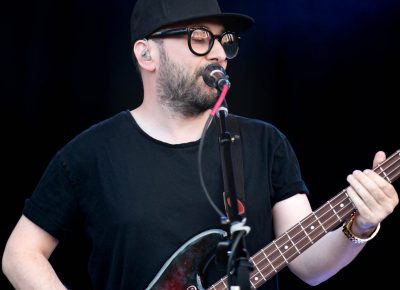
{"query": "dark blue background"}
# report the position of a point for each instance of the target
(325, 72)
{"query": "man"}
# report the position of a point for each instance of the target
(132, 180)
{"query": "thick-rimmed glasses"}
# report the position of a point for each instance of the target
(201, 40)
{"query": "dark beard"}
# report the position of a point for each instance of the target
(181, 93)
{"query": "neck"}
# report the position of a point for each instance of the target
(167, 126)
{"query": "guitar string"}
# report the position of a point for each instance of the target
(314, 230)
(277, 250)
(332, 200)
(261, 252)
(319, 229)
(265, 259)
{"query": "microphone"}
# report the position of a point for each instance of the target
(214, 76)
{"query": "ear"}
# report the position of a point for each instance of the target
(142, 51)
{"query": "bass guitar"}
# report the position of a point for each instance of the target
(182, 270)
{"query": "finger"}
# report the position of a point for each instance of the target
(373, 197)
(386, 195)
(363, 201)
(380, 156)
(358, 202)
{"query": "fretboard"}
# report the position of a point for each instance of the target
(277, 254)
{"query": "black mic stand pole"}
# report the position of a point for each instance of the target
(238, 267)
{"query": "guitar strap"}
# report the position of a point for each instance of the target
(232, 126)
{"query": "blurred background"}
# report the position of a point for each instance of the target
(325, 72)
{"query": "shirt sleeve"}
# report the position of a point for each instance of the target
(52, 205)
(286, 174)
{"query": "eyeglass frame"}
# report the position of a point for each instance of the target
(188, 31)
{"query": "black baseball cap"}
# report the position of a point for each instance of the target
(150, 15)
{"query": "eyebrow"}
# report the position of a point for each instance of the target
(209, 29)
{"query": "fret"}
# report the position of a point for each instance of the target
(334, 211)
(220, 285)
(312, 227)
(286, 247)
(280, 252)
(252, 284)
(383, 174)
(267, 265)
(292, 242)
(297, 234)
(276, 257)
(258, 282)
(340, 205)
(259, 258)
(305, 232)
(390, 166)
(319, 221)
(326, 213)
(256, 277)
(267, 270)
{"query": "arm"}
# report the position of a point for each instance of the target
(374, 199)
(25, 258)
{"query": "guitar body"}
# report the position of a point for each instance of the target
(181, 271)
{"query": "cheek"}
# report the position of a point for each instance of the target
(177, 49)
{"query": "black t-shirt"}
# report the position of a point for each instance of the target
(140, 199)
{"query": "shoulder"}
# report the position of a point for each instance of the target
(115, 123)
(108, 128)
(257, 127)
(99, 136)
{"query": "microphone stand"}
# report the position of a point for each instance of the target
(238, 268)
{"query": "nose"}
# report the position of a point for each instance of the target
(217, 52)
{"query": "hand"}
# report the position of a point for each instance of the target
(373, 196)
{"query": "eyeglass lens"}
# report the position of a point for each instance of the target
(202, 41)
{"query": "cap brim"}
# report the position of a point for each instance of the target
(234, 22)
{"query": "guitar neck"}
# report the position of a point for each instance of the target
(277, 254)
